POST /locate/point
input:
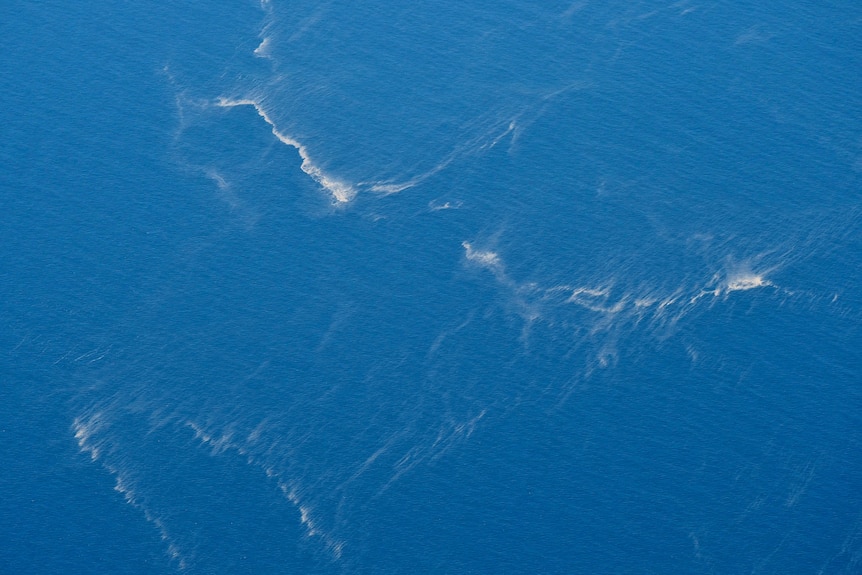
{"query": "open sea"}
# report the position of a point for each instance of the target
(510, 287)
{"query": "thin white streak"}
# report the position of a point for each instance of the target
(342, 192)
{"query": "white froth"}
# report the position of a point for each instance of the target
(435, 207)
(387, 189)
(595, 300)
(616, 309)
(263, 50)
(393, 187)
(86, 430)
(224, 442)
(744, 282)
(342, 192)
(485, 258)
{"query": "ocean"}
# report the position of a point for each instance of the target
(485, 287)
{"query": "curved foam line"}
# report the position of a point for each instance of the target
(342, 192)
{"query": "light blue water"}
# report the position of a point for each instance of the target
(491, 288)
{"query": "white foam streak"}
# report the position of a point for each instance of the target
(224, 442)
(305, 513)
(611, 311)
(511, 129)
(436, 207)
(450, 434)
(595, 300)
(342, 192)
(484, 258)
(387, 188)
(86, 430)
(737, 281)
(745, 282)
(264, 49)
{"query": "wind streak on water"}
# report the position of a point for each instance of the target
(291, 491)
(310, 481)
(92, 434)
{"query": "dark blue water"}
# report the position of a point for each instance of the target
(481, 288)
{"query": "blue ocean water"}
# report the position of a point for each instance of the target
(510, 287)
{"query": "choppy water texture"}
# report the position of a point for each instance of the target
(491, 287)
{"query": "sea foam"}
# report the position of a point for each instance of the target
(225, 442)
(90, 434)
(341, 192)
(264, 49)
